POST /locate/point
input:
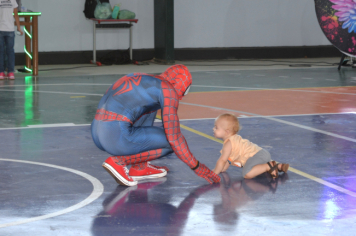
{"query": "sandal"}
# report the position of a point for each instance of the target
(273, 167)
(284, 167)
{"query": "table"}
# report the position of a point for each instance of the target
(31, 34)
(110, 23)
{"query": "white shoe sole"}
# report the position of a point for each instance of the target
(164, 173)
(119, 179)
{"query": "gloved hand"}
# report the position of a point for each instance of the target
(204, 172)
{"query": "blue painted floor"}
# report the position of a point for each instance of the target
(52, 182)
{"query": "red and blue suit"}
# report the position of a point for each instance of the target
(123, 124)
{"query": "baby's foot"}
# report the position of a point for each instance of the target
(283, 167)
(273, 171)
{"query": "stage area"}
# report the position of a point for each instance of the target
(52, 182)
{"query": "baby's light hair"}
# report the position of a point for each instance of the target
(234, 124)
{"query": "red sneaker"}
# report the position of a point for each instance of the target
(2, 75)
(11, 75)
(148, 172)
(118, 172)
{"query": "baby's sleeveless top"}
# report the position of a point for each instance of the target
(242, 150)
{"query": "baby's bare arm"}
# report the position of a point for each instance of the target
(220, 164)
(227, 165)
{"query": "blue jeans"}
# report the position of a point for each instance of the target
(7, 41)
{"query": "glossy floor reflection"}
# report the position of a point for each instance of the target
(306, 117)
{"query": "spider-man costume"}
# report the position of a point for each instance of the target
(123, 124)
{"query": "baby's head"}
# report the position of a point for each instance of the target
(226, 125)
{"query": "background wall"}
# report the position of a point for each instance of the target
(198, 24)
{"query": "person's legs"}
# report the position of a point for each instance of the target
(257, 170)
(140, 169)
(141, 158)
(5, 59)
(257, 164)
(2, 52)
(131, 146)
(146, 120)
(10, 52)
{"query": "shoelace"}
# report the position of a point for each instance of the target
(126, 170)
(152, 166)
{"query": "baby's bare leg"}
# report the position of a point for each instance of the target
(257, 170)
(256, 164)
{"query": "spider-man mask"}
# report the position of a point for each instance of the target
(180, 77)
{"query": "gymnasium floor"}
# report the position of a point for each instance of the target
(52, 182)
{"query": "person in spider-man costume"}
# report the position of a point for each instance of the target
(123, 126)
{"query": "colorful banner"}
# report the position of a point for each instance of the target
(337, 19)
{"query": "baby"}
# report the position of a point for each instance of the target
(241, 152)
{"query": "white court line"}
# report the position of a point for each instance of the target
(25, 85)
(98, 189)
(52, 125)
(277, 120)
(311, 114)
(157, 120)
(282, 89)
(36, 91)
(44, 126)
(203, 86)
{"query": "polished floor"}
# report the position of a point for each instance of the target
(52, 182)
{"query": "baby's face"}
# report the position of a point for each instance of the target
(220, 128)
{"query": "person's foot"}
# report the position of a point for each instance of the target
(2, 75)
(11, 75)
(273, 169)
(159, 167)
(283, 167)
(118, 172)
(147, 172)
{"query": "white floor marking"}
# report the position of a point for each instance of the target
(55, 92)
(311, 114)
(52, 125)
(243, 116)
(98, 189)
(277, 120)
(35, 84)
(157, 120)
(196, 119)
(284, 89)
(44, 126)
(203, 86)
